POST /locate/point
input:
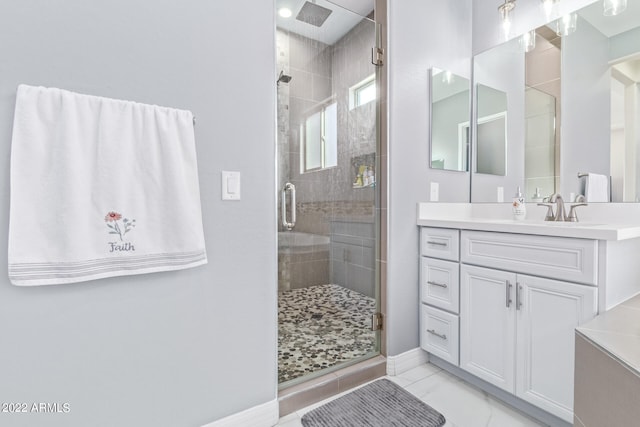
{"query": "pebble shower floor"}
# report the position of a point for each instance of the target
(321, 326)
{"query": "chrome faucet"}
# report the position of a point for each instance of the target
(560, 212)
(557, 199)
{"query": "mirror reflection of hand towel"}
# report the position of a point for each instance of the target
(100, 188)
(596, 188)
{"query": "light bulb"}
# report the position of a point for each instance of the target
(505, 13)
(528, 41)
(506, 27)
(566, 24)
(614, 7)
(284, 12)
(549, 6)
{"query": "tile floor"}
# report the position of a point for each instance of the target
(322, 326)
(462, 404)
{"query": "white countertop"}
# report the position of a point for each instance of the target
(561, 229)
(617, 331)
(486, 218)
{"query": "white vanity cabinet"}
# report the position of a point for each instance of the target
(504, 307)
(523, 288)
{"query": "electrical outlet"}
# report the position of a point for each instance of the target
(435, 192)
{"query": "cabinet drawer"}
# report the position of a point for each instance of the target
(562, 258)
(439, 283)
(441, 243)
(439, 333)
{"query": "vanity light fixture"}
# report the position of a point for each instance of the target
(528, 41)
(566, 24)
(505, 13)
(614, 7)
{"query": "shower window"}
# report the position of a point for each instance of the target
(320, 139)
(362, 93)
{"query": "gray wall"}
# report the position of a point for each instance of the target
(624, 44)
(167, 349)
(422, 34)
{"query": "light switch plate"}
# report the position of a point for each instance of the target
(230, 185)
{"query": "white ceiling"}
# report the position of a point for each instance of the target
(346, 14)
(612, 25)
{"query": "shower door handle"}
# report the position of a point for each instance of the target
(289, 187)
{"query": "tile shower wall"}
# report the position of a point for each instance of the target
(319, 72)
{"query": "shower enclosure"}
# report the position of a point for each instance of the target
(327, 153)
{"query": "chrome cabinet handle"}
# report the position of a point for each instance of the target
(429, 242)
(288, 187)
(433, 332)
(518, 296)
(508, 287)
(442, 285)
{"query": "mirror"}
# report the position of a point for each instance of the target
(450, 102)
(573, 111)
(491, 131)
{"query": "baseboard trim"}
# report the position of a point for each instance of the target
(265, 415)
(406, 361)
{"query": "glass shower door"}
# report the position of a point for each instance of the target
(327, 153)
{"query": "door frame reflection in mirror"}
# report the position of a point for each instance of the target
(449, 140)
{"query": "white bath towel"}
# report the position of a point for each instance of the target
(100, 188)
(596, 188)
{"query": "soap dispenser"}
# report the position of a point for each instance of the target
(518, 207)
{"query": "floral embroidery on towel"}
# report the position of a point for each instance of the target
(120, 228)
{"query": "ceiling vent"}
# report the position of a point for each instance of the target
(313, 14)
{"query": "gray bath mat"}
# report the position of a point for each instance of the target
(379, 404)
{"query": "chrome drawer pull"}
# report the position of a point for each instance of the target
(508, 292)
(429, 242)
(442, 285)
(433, 332)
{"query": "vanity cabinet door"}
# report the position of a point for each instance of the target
(487, 325)
(548, 313)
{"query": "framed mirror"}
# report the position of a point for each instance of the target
(573, 110)
(450, 103)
